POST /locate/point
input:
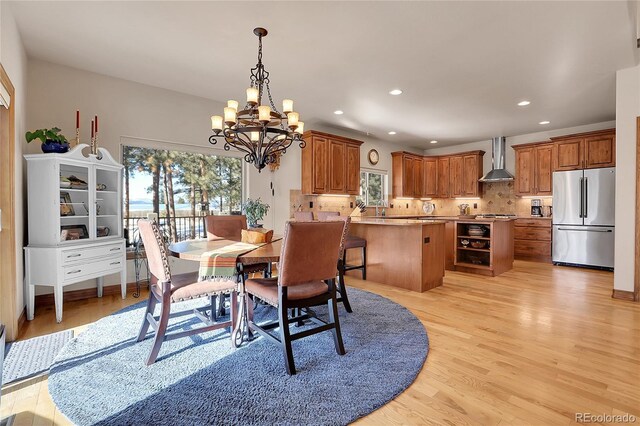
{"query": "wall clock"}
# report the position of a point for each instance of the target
(374, 157)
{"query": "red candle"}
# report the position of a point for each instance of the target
(77, 119)
(96, 124)
(92, 129)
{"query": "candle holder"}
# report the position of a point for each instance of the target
(77, 137)
(95, 144)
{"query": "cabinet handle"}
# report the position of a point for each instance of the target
(77, 271)
(74, 255)
(115, 249)
(114, 263)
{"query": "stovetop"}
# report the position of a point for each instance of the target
(495, 216)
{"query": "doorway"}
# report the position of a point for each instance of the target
(8, 309)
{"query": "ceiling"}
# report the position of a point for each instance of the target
(463, 66)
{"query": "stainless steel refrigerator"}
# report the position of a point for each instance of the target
(584, 217)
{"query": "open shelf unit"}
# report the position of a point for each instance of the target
(496, 255)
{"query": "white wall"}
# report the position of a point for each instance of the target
(14, 61)
(510, 156)
(627, 109)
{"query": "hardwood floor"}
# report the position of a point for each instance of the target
(533, 346)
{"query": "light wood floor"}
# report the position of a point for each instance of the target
(533, 346)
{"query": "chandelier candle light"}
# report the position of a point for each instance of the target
(259, 131)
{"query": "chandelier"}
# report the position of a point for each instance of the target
(260, 131)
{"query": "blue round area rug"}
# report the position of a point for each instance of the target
(100, 376)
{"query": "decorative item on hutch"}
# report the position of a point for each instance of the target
(75, 222)
(258, 130)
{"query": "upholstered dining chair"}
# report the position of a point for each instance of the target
(303, 216)
(352, 242)
(325, 215)
(307, 274)
(229, 227)
(168, 289)
(341, 286)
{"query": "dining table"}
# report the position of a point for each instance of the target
(269, 253)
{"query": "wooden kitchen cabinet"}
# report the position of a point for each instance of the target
(532, 239)
(444, 181)
(430, 172)
(584, 150)
(330, 164)
(407, 175)
(534, 169)
(449, 176)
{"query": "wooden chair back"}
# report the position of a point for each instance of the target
(325, 215)
(303, 216)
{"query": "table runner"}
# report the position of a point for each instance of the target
(222, 262)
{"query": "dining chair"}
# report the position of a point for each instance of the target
(341, 286)
(229, 227)
(303, 216)
(307, 274)
(168, 289)
(352, 242)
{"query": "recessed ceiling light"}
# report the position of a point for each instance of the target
(392, 133)
(523, 103)
(338, 112)
(433, 142)
(544, 122)
(395, 92)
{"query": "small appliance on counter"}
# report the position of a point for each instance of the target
(428, 207)
(536, 207)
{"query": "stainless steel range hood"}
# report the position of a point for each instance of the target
(498, 173)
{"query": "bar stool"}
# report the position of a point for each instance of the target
(351, 242)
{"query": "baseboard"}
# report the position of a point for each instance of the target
(624, 295)
(85, 293)
(22, 320)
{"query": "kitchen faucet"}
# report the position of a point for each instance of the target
(384, 205)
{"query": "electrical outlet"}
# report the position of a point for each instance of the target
(390, 206)
(351, 205)
(475, 205)
(407, 205)
(310, 204)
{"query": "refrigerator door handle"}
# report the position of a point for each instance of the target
(581, 197)
(585, 209)
(585, 230)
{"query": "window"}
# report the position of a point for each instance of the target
(180, 187)
(373, 187)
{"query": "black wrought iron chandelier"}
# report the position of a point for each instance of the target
(260, 131)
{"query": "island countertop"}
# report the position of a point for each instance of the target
(438, 219)
(393, 221)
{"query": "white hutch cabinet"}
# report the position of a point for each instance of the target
(75, 228)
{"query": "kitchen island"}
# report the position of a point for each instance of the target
(403, 253)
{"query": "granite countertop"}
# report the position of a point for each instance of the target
(440, 218)
(393, 221)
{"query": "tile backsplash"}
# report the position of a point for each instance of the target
(497, 197)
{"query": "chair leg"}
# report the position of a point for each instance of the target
(333, 317)
(343, 292)
(234, 310)
(213, 315)
(285, 339)
(222, 311)
(151, 306)
(165, 311)
(364, 263)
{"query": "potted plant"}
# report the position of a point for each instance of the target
(52, 140)
(255, 210)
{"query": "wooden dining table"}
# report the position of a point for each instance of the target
(269, 253)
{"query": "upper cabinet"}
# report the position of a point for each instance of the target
(330, 164)
(407, 175)
(415, 176)
(430, 181)
(585, 150)
(533, 169)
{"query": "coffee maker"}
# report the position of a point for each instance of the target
(536, 207)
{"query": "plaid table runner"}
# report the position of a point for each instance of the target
(222, 262)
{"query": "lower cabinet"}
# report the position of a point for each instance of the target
(532, 239)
